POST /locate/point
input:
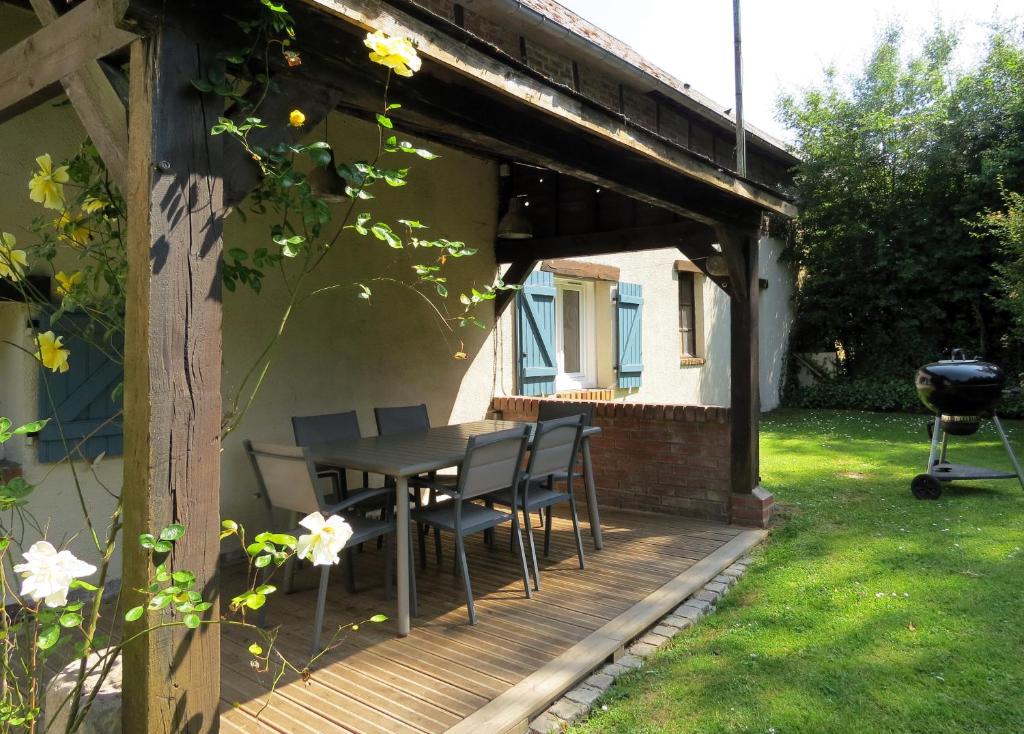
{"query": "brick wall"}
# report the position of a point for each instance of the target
(655, 458)
(549, 62)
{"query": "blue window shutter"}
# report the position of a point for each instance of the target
(81, 398)
(629, 331)
(537, 359)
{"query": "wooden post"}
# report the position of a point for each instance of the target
(172, 372)
(750, 504)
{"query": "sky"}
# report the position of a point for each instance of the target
(787, 44)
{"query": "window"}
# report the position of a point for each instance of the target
(687, 316)
(574, 335)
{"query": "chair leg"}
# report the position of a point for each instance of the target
(522, 554)
(576, 528)
(413, 608)
(460, 552)
(437, 530)
(533, 549)
(421, 538)
(321, 607)
(350, 571)
(387, 568)
(547, 530)
(289, 575)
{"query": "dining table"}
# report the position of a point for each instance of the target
(406, 455)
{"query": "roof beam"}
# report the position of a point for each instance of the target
(516, 274)
(631, 239)
(567, 109)
(97, 104)
(30, 69)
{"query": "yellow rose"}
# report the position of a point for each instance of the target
(91, 205)
(51, 352)
(65, 283)
(46, 186)
(296, 118)
(393, 52)
(12, 262)
(71, 230)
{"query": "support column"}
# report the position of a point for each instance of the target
(172, 372)
(750, 504)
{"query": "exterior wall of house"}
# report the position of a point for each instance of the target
(666, 377)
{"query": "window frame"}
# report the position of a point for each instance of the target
(688, 281)
(587, 377)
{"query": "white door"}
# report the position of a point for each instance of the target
(574, 335)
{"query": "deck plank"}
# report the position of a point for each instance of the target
(448, 675)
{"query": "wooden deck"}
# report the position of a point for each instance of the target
(489, 678)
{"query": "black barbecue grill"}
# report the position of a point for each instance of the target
(961, 392)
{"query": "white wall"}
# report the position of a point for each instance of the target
(665, 380)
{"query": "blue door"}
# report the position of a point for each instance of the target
(538, 363)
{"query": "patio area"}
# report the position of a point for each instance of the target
(449, 676)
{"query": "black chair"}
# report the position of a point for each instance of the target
(492, 463)
(288, 481)
(408, 419)
(552, 454)
(335, 428)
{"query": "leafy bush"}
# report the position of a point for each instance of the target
(884, 394)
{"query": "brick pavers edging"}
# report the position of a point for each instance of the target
(578, 703)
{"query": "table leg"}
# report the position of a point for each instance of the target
(402, 552)
(588, 480)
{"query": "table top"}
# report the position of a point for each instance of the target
(417, 452)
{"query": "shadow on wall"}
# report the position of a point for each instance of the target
(713, 386)
(341, 352)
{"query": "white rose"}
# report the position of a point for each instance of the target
(47, 574)
(325, 539)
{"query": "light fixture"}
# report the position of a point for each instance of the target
(516, 225)
(717, 266)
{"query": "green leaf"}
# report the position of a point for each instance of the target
(384, 121)
(229, 525)
(48, 637)
(159, 602)
(146, 540)
(262, 561)
(266, 589)
(394, 106)
(133, 614)
(185, 578)
(162, 546)
(172, 532)
(203, 606)
(79, 584)
(255, 649)
(255, 601)
(192, 621)
(378, 618)
(70, 619)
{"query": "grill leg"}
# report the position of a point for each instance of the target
(1009, 449)
(934, 453)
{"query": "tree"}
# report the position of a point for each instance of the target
(896, 164)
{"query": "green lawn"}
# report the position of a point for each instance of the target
(867, 610)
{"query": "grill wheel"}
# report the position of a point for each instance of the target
(926, 487)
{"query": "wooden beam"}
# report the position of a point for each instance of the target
(83, 34)
(98, 106)
(293, 89)
(173, 372)
(733, 243)
(632, 239)
(516, 274)
(745, 404)
(571, 110)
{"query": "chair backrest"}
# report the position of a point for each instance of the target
(328, 428)
(404, 419)
(555, 444)
(286, 476)
(548, 411)
(493, 461)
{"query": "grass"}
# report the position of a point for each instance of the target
(867, 610)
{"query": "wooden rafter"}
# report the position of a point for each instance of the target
(435, 46)
(632, 239)
(98, 106)
(734, 243)
(31, 70)
(516, 274)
